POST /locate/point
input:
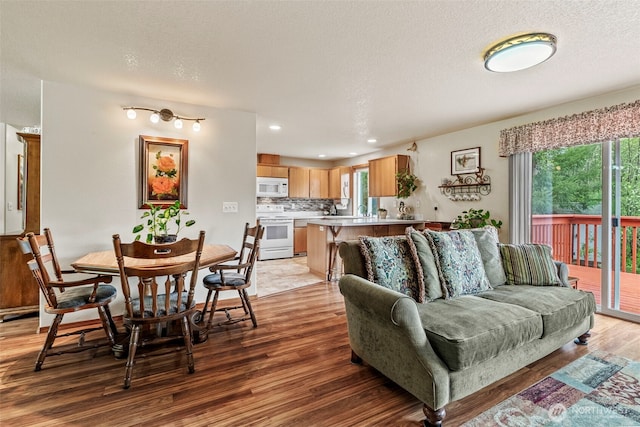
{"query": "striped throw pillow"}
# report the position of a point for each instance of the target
(529, 264)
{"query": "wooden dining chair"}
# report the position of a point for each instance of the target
(234, 276)
(155, 303)
(65, 296)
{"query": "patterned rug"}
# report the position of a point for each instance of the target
(598, 389)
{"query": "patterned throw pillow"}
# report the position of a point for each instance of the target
(425, 264)
(487, 240)
(529, 264)
(459, 263)
(390, 264)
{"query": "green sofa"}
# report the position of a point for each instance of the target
(447, 348)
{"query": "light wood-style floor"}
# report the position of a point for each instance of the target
(293, 370)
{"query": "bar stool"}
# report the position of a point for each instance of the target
(332, 272)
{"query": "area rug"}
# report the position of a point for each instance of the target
(598, 389)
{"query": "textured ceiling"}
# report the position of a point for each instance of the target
(332, 73)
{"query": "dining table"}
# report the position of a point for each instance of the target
(104, 262)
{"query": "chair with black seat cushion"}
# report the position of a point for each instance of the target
(234, 276)
(156, 304)
(66, 296)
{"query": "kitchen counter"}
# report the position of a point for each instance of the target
(360, 221)
(324, 233)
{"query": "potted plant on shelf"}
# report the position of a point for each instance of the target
(159, 221)
(475, 218)
(407, 184)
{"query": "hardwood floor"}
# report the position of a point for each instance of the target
(293, 369)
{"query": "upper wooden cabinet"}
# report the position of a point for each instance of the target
(382, 175)
(319, 183)
(335, 182)
(272, 171)
(299, 182)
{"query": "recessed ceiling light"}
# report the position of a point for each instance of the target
(275, 127)
(372, 140)
(322, 155)
(353, 154)
(520, 52)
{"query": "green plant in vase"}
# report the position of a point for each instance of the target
(475, 218)
(159, 220)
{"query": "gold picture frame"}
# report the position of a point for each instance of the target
(164, 164)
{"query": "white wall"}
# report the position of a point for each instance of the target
(431, 162)
(90, 164)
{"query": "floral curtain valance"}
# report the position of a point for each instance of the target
(606, 124)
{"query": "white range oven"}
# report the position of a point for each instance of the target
(277, 241)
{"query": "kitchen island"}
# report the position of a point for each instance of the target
(323, 233)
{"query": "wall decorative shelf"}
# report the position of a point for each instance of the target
(466, 187)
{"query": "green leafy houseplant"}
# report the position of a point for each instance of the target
(475, 218)
(159, 221)
(407, 184)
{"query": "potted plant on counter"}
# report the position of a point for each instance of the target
(475, 218)
(159, 220)
(382, 213)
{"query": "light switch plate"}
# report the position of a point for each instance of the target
(230, 207)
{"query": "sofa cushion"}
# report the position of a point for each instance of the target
(529, 264)
(560, 307)
(425, 264)
(487, 241)
(459, 262)
(468, 330)
(390, 264)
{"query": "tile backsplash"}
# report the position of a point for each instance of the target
(301, 205)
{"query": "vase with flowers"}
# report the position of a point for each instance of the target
(159, 220)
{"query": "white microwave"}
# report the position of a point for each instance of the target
(272, 187)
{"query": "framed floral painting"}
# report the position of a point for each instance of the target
(163, 171)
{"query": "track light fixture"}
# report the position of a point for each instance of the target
(166, 115)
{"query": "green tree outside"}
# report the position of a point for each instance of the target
(569, 180)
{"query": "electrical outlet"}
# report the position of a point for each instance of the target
(229, 207)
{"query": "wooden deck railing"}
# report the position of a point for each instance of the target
(575, 239)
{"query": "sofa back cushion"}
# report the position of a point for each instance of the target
(459, 262)
(425, 264)
(352, 258)
(487, 241)
(529, 264)
(389, 263)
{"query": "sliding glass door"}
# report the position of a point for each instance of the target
(586, 205)
(621, 203)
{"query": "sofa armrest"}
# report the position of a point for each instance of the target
(385, 330)
(563, 272)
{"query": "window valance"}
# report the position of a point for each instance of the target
(605, 124)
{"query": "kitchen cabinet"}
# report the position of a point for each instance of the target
(272, 171)
(319, 183)
(382, 175)
(299, 182)
(300, 240)
(336, 182)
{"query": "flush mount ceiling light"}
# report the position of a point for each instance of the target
(275, 127)
(166, 115)
(520, 52)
